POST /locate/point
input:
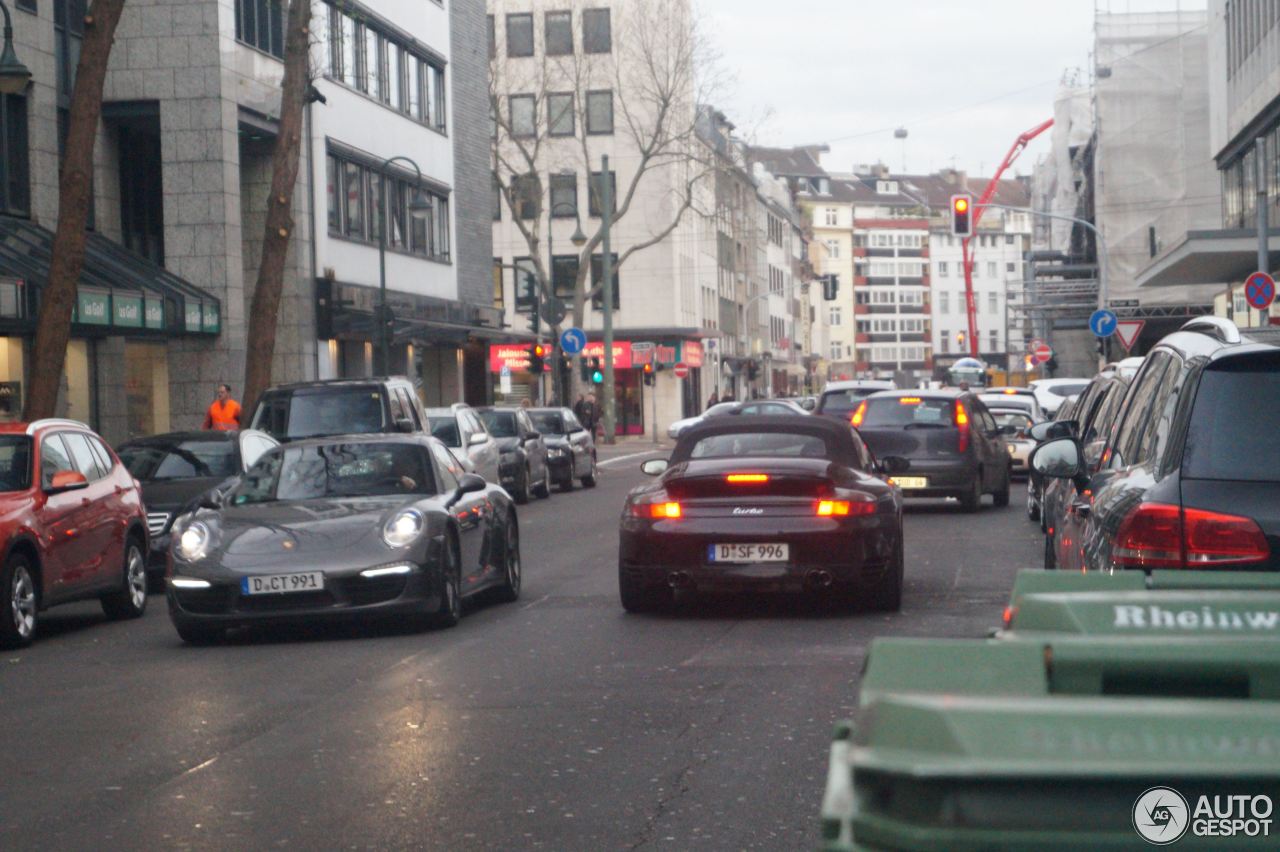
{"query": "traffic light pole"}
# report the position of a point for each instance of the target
(606, 263)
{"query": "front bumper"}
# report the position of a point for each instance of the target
(561, 466)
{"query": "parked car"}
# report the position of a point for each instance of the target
(1016, 425)
(808, 403)
(1190, 475)
(338, 407)
(755, 407)
(522, 459)
(840, 399)
(463, 432)
(357, 526)
(176, 468)
(720, 408)
(1038, 433)
(571, 449)
(950, 438)
(1051, 393)
(1023, 398)
(764, 503)
(73, 526)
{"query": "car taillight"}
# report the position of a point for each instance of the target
(657, 506)
(860, 413)
(665, 511)
(1157, 535)
(843, 508)
(747, 478)
(962, 423)
(1009, 613)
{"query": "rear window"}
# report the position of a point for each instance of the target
(1233, 423)
(757, 444)
(501, 424)
(307, 414)
(1065, 391)
(888, 412)
(844, 401)
(180, 460)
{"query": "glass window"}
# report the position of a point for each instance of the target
(768, 444)
(526, 191)
(597, 276)
(548, 422)
(15, 462)
(564, 196)
(413, 81)
(1140, 414)
(520, 35)
(82, 455)
(330, 412)
(560, 114)
(15, 175)
(372, 64)
(523, 115)
(597, 35)
(596, 186)
(335, 470)
(501, 424)
(350, 53)
(148, 462)
(353, 183)
(599, 112)
(446, 429)
(901, 411)
(559, 33)
(564, 275)
(103, 456)
(447, 467)
(53, 459)
(1229, 438)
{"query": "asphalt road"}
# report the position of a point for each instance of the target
(558, 722)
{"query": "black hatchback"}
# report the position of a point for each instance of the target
(1190, 476)
(953, 444)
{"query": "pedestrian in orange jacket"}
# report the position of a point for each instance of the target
(224, 412)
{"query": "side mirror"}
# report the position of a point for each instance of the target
(477, 439)
(895, 464)
(808, 405)
(211, 499)
(66, 480)
(653, 467)
(404, 424)
(1058, 459)
(469, 483)
(1052, 429)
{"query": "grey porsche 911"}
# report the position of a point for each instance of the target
(348, 527)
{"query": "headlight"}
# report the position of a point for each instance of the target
(192, 544)
(401, 530)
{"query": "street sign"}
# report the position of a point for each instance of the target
(573, 340)
(642, 350)
(1042, 354)
(1102, 323)
(682, 370)
(1260, 291)
(553, 311)
(504, 380)
(1128, 331)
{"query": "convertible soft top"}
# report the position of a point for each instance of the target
(836, 434)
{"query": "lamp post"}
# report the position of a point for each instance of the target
(418, 205)
(14, 76)
(578, 239)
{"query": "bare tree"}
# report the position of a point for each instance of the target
(659, 70)
(278, 231)
(75, 185)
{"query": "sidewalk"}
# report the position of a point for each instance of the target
(630, 445)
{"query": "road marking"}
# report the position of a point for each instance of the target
(535, 603)
(204, 765)
(608, 462)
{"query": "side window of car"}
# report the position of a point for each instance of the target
(1139, 414)
(81, 455)
(524, 424)
(571, 423)
(447, 467)
(397, 406)
(102, 454)
(54, 458)
(410, 410)
(477, 425)
(1164, 411)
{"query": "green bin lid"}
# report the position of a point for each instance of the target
(1176, 612)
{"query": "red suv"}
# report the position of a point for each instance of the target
(72, 526)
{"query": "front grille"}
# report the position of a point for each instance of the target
(339, 593)
(157, 522)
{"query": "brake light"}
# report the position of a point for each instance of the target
(828, 508)
(665, 511)
(843, 508)
(861, 412)
(747, 478)
(1009, 613)
(962, 423)
(908, 400)
(1156, 535)
(1009, 391)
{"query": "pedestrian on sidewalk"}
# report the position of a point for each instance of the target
(577, 409)
(224, 412)
(590, 414)
(714, 399)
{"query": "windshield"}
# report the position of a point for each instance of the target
(756, 444)
(336, 470)
(1232, 432)
(501, 424)
(1007, 401)
(309, 414)
(15, 462)
(906, 411)
(548, 423)
(446, 429)
(1012, 418)
(1067, 390)
(845, 401)
(180, 460)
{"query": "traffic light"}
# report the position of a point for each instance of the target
(830, 287)
(648, 374)
(597, 375)
(962, 215)
(537, 356)
(960, 340)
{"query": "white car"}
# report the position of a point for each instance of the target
(1051, 393)
(1023, 398)
(465, 434)
(758, 407)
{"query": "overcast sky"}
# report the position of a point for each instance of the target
(964, 77)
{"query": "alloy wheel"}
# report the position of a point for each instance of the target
(22, 602)
(136, 574)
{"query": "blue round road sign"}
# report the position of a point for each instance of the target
(1260, 291)
(1103, 323)
(573, 340)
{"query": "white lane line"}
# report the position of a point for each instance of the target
(535, 603)
(608, 462)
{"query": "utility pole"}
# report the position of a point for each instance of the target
(1260, 181)
(606, 264)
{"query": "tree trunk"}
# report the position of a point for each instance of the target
(265, 313)
(75, 184)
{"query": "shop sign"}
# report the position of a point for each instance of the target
(126, 311)
(192, 316)
(663, 354)
(209, 319)
(622, 359)
(154, 313)
(514, 356)
(93, 308)
(691, 353)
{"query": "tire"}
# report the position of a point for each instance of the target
(19, 602)
(567, 483)
(1002, 496)
(971, 501)
(1033, 508)
(194, 634)
(450, 611)
(637, 597)
(522, 491)
(544, 489)
(589, 481)
(887, 597)
(131, 600)
(509, 591)
(1050, 557)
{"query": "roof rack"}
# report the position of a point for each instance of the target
(55, 421)
(1218, 328)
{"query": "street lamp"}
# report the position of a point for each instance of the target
(14, 76)
(418, 206)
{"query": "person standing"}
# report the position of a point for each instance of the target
(714, 399)
(578, 409)
(589, 415)
(224, 412)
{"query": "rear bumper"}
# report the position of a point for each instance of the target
(948, 478)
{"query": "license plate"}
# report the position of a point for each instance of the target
(275, 584)
(912, 481)
(748, 552)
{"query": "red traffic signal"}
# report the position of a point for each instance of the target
(961, 215)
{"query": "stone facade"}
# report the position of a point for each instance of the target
(469, 66)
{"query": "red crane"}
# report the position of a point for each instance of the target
(1019, 145)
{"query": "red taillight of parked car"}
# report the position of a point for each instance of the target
(657, 506)
(1158, 535)
(858, 414)
(666, 511)
(844, 508)
(962, 423)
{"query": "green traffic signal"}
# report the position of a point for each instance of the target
(597, 377)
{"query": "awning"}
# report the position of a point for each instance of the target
(118, 290)
(1210, 257)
